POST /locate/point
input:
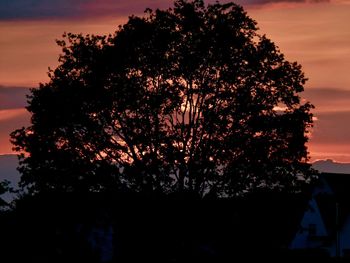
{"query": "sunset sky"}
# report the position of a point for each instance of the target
(315, 33)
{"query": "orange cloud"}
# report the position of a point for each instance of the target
(6, 115)
(29, 48)
(13, 97)
(317, 36)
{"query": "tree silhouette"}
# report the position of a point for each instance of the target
(191, 98)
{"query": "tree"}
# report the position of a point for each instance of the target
(192, 98)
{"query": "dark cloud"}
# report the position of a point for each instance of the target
(333, 115)
(332, 128)
(29, 9)
(13, 97)
(329, 94)
(263, 2)
(57, 9)
(328, 99)
(8, 171)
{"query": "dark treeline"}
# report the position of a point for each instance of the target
(134, 227)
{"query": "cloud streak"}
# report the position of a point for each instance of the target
(50, 9)
(330, 136)
(29, 9)
(13, 97)
(328, 100)
(13, 115)
(11, 120)
(332, 128)
(328, 94)
(264, 2)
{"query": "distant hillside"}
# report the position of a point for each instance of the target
(8, 171)
(9, 163)
(329, 166)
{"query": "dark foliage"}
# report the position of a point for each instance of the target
(192, 98)
(4, 188)
(157, 228)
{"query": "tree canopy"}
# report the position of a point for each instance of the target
(191, 98)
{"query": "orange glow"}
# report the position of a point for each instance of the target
(29, 48)
(6, 115)
(317, 36)
(9, 121)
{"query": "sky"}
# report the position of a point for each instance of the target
(315, 33)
